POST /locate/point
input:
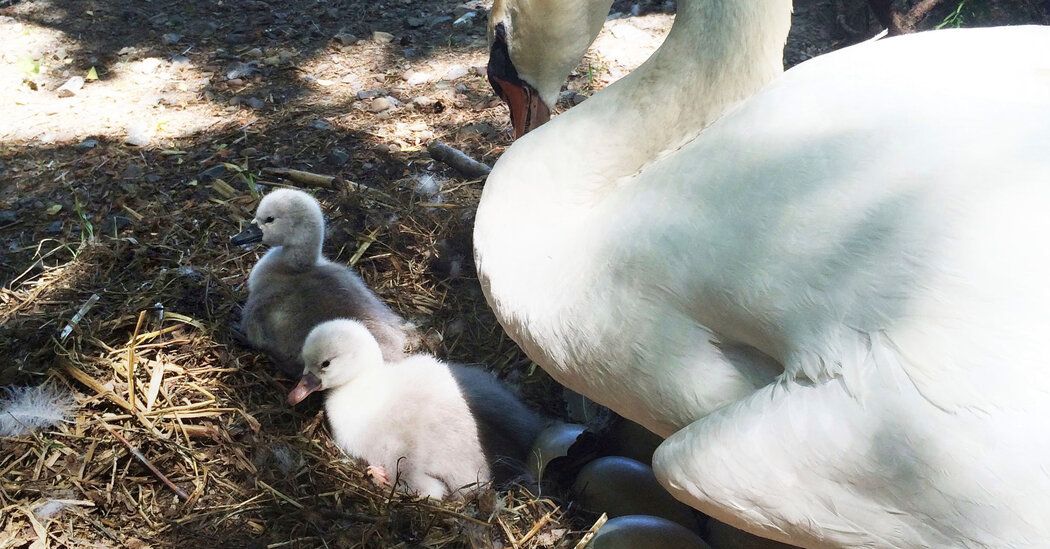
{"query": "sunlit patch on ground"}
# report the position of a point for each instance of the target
(151, 99)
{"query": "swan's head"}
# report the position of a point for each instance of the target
(335, 353)
(285, 217)
(533, 46)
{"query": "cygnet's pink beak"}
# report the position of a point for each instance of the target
(308, 384)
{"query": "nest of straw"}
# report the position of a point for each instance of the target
(181, 435)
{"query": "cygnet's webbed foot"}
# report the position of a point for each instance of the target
(378, 475)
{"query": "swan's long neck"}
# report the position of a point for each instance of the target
(537, 200)
(718, 53)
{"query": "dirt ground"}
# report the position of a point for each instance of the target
(129, 188)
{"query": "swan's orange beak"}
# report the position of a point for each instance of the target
(527, 110)
(308, 384)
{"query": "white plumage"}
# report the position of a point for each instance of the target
(408, 419)
(827, 288)
(24, 410)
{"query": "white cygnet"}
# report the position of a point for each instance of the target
(293, 287)
(407, 419)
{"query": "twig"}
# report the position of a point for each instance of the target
(279, 494)
(506, 531)
(309, 179)
(536, 527)
(135, 452)
(594, 530)
(456, 158)
(78, 317)
(131, 358)
(303, 178)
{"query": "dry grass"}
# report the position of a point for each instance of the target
(210, 415)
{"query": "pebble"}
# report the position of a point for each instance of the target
(170, 39)
(415, 22)
(54, 227)
(466, 20)
(89, 143)
(71, 87)
(381, 37)
(255, 103)
(415, 78)
(345, 38)
(8, 216)
(254, 52)
(571, 97)
(338, 157)
(381, 104)
(423, 101)
(369, 94)
(454, 72)
(320, 125)
(133, 171)
(211, 173)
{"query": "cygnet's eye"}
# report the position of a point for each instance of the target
(326, 364)
(268, 219)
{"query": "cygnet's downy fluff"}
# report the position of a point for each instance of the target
(506, 426)
(406, 418)
(294, 288)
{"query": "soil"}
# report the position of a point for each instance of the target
(130, 187)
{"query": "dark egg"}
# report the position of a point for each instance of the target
(723, 536)
(619, 486)
(644, 532)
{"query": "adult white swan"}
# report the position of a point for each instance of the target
(875, 221)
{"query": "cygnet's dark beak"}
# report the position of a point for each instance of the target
(250, 235)
(308, 384)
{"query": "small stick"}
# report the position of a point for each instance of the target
(138, 455)
(131, 358)
(91, 301)
(536, 527)
(442, 152)
(506, 531)
(594, 530)
(309, 179)
(303, 178)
